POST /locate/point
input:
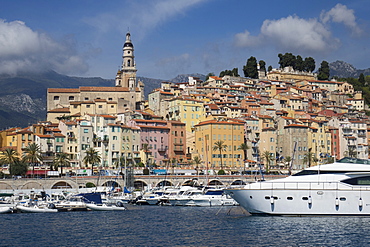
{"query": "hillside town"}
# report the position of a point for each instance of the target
(285, 119)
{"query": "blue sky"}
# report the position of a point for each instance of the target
(171, 37)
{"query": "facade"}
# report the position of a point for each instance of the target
(230, 133)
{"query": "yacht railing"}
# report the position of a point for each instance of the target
(306, 186)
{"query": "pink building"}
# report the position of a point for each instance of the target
(155, 133)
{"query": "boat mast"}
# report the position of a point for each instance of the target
(291, 162)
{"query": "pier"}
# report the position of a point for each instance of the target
(137, 181)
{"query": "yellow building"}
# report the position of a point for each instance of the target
(189, 111)
(230, 133)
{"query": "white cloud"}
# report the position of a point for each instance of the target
(291, 33)
(341, 14)
(22, 49)
(295, 34)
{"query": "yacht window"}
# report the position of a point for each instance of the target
(267, 197)
(305, 198)
(342, 199)
(250, 197)
(289, 198)
(358, 181)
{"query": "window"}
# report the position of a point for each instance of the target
(56, 97)
(86, 130)
(87, 106)
(100, 106)
(71, 98)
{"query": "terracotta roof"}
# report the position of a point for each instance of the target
(60, 110)
(63, 90)
(152, 127)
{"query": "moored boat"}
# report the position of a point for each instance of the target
(36, 209)
(105, 207)
(340, 188)
(5, 210)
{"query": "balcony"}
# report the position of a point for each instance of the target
(162, 149)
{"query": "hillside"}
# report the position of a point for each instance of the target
(23, 97)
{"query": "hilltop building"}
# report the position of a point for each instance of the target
(127, 95)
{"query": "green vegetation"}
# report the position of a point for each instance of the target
(324, 71)
(250, 69)
(233, 72)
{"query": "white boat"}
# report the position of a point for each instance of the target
(4, 210)
(340, 188)
(212, 197)
(36, 209)
(105, 207)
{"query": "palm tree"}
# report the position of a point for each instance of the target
(10, 156)
(92, 157)
(61, 160)
(221, 147)
(197, 161)
(287, 161)
(267, 157)
(244, 147)
(32, 155)
(309, 158)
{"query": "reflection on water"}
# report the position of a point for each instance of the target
(185, 226)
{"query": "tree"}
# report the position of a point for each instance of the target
(233, 72)
(288, 59)
(61, 160)
(32, 155)
(221, 147)
(18, 168)
(10, 156)
(287, 160)
(208, 75)
(299, 64)
(197, 161)
(269, 68)
(244, 147)
(324, 71)
(250, 69)
(309, 64)
(262, 65)
(309, 158)
(92, 157)
(266, 156)
(361, 79)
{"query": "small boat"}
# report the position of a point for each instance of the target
(36, 209)
(5, 210)
(105, 207)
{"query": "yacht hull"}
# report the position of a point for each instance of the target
(303, 202)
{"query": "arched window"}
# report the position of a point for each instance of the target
(129, 63)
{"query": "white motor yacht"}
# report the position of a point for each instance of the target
(340, 188)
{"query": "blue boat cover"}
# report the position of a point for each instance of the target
(91, 197)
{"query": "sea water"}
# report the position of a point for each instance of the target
(180, 226)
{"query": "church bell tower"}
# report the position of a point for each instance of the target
(126, 76)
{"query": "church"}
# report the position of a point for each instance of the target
(126, 95)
